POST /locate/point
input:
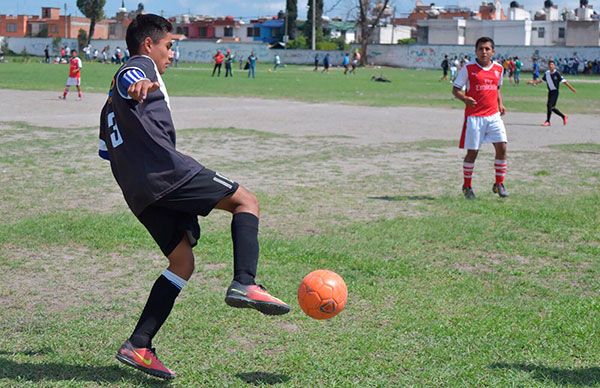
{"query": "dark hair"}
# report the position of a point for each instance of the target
(73, 51)
(551, 61)
(146, 26)
(482, 40)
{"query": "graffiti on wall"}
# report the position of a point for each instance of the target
(411, 56)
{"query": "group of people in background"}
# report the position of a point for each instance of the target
(229, 59)
(348, 64)
(118, 56)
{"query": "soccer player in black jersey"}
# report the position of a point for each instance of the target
(553, 79)
(167, 190)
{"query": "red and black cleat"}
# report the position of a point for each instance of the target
(145, 360)
(256, 297)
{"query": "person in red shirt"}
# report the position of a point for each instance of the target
(218, 57)
(74, 78)
(478, 86)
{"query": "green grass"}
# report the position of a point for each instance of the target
(442, 291)
(408, 87)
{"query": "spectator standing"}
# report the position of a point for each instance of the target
(252, 64)
(218, 58)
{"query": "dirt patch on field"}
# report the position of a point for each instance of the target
(55, 279)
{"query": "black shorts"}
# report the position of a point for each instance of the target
(552, 98)
(176, 214)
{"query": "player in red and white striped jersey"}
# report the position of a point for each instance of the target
(478, 86)
(74, 79)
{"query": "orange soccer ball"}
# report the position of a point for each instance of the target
(322, 294)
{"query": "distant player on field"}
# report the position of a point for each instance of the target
(553, 80)
(483, 108)
(167, 190)
(74, 78)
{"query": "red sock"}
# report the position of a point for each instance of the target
(65, 93)
(468, 173)
(501, 166)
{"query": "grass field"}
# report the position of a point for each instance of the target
(408, 87)
(442, 292)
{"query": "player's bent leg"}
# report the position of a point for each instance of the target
(181, 260)
(243, 292)
(242, 201)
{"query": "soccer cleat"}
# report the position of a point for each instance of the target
(546, 124)
(468, 192)
(565, 120)
(145, 360)
(62, 97)
(499, 189)
(255, 297)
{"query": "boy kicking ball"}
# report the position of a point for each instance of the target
(483, 110)
(167, 190)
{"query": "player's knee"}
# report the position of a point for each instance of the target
(250, 203)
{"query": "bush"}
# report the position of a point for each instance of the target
(407, 41)
(56, 43)
(298, 43)
(327, 45)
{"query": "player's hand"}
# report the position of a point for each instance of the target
(139, 90)
(469, 101)
(502, 110)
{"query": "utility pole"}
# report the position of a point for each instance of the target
(313, 44)
(285, 31)
(66, 33)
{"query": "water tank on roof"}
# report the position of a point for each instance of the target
(514, 4)
(548, 4)
(583, 3)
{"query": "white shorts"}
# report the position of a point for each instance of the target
(478, 130)
(73, 81)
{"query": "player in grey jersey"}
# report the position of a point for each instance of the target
(167, 190)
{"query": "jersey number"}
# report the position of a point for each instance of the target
(115, 136)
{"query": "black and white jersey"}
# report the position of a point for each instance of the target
(553, 80)
(139, 139)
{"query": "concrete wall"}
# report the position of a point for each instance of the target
(504, 32)
(445, 31)
(550, 33)
(579, 32)
(410, 56)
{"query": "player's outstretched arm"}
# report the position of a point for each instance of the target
(570, 87)
(139, 90)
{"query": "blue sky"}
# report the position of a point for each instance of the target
(242, 8)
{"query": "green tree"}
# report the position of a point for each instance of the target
(93, 10)
(318, 21)
(291, 9)
(370, 13)
(82, 39)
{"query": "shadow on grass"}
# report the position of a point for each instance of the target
(581, 376)
(260, 378)
(58, 372)
(404, 198)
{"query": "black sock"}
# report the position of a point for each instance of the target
(244, 233)
(548, 114)
(157, 309)
(555, 110)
